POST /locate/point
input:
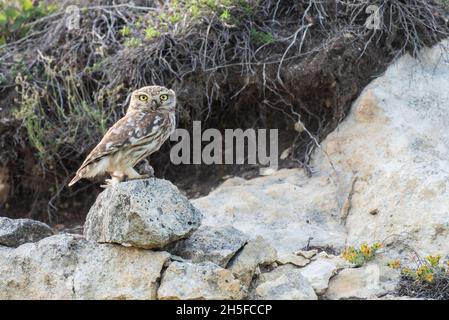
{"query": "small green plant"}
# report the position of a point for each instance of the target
(16, 15)
(260, 37)
(125, 31)
(175, 18)
(95, 67)
(151, 33)
(363, 254)
(139, 22)
(195, 11)
(132, 42)
(225, 16)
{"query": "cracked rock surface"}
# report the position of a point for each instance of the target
(147, 213)
(214, 244)
(69, 267)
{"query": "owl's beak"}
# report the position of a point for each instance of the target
(154, 103)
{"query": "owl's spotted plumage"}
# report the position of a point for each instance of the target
(149, 121)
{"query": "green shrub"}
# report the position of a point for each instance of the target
(428, 278)
(260, 37)
(425, 271)
(16, 15)
(363, 254)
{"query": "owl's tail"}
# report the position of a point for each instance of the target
(81, 173)
(75, 179)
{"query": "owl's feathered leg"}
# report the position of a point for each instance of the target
(132, 174)
(116, 177)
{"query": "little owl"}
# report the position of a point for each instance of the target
(149, 121)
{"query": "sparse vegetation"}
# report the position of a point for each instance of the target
(16, 16)
(151, 33)
(361, 255)
(426, 278)
(261, 37)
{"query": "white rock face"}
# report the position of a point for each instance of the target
(393, 148)
(69, 267)
(284, 283)
(318, 274)
(286, 208)
(148, 214)
(206, 280)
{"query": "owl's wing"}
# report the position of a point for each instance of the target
(126, 131)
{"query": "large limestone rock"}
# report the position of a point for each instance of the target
(69, 267)
(283, 283)
(391, 155)
(372, 280)
(148, 213)
(287, 208)
(256, 253)
(206, 280)
(14, 232)
(215, 244)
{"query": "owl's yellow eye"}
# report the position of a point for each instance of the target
(163, 97)
(143, 97)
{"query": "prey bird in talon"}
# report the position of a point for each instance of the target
(148, 122)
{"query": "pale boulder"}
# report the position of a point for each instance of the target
(370, 281)
(198, 281)
(69, 267)
(283, 283)
(256, 253)
(149, 214)
(215, 244)
(318, 274)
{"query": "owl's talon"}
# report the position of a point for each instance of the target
(108, 184)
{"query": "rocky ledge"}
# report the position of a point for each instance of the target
(141, 241)
(144, 240)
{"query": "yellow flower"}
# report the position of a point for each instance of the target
(429, 277)
(395, 264)
(349, 254)
(366, 250)
(406, 271)
(421, 271)
(433, 260)
(376, 245)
